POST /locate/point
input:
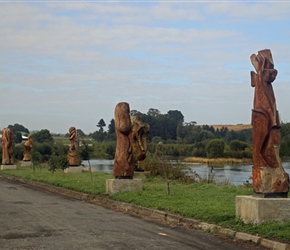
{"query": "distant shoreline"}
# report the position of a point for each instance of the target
(218, 160)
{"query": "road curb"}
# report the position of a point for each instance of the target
(160, 216)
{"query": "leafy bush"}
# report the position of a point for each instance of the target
(215, 148)
(42, 136)
(18, 152)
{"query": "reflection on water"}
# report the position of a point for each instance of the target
(235, 174)
(100, 165)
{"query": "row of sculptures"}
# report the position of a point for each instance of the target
(131, 143)
(7, 147)
(268, 175)
(131, 146)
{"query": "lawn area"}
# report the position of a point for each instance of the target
(206, 202)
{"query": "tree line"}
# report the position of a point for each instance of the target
(168, 134)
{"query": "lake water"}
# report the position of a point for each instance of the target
(235, 174)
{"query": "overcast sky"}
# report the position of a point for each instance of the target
(68, 63)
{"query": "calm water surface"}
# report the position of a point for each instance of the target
(235, 174)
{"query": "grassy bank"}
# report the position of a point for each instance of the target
(203, 201)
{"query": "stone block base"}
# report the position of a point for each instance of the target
(26, 163)
(8, 167)
(120, 185)
(74, 169)
(258, 210)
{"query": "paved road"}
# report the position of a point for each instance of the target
(34, 219)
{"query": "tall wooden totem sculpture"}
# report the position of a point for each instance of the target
(269, 177)
(7, 147)
(27, 149)
(124, 162)
(73, 152)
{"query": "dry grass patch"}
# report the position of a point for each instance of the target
(217, 161)
(237, 127)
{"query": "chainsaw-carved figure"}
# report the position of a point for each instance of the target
(269, 177)
(27, 149)
(7, 146)
(123, 163)
(138, 139)
(73, 152)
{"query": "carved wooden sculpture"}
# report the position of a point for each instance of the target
(269, 177)
(138, 139)
(123, 164)
(73, 154)
(27, 149)
(7, 146)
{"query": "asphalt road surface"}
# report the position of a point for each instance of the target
(34, 219)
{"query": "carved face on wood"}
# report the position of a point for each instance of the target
(138, 138)
(269, 75)
(264, 65)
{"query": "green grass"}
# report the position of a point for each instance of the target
(202, 201)
(75, 181)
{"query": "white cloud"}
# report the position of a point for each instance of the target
(73, 62)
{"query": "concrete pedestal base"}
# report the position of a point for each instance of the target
(74, 169)
(258, 210)
(120, 185)
(26, 163)
(8, 167)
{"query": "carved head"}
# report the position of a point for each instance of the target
(122, 118)
(264, 65)
(269, 75)
(71, 129)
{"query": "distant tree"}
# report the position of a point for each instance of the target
(101, 124)
(111, 127)
(86, 151)
(135, 112)
(17, 137)
(18, 127)
(215, 148)
(110, 151)
(153, 112)
(205, 135)
(99, 136)
(222, 132)
(192, 123)
(176, 115)
(231, 136)
(174, 118)
(44, 149)
(42, 136)
(80, 133)
(17, 131)
(237, 145)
